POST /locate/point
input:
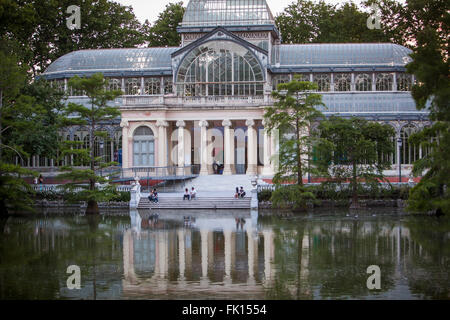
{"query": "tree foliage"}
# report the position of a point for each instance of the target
(164, 33)
(98, 111)
(353, 150)
(28, 125)
(431, 67)
(402, 21)
(307, 21)
(291, 115)
(40, 28)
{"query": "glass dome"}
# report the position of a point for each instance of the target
(220, 68)
(337, 54)
(113, 60)
(201, 13)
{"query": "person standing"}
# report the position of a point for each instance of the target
(41, 182)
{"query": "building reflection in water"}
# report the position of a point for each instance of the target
(222, 254)
(225, 255)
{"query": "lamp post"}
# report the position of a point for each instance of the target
(399, 145)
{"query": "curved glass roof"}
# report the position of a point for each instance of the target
(113, 60)
(202, 13)
(338, 54)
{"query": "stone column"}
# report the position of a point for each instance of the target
(267, 170)
(204, 147)
(162, 143)
(180, 170)
(228, 152)
(274, 150)
(125, 143)
(252, 148)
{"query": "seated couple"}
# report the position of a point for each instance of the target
(240, 193)
(189, 195)
(153, 197)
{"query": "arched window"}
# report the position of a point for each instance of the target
(220, 68)
(363, 82)
(384, 82)
(152, 86)
(342, 81)
(409, 152)
(143, 147)
(404, 82)
(132, 86)
(279, 78)
(323, 81)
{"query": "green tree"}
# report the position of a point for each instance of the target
(306, 21)
(164, 31)
(40, 28)
(12, 78)
(431, 67)
(32, 122)
(97, 112)
(353, 150)
(402, 21)
(291, 115)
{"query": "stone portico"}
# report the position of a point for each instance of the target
(234, 138)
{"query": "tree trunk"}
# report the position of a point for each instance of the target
(299, 154)
(355, 202)
(92, 207)
(1, 106)
(91, 155)
(3, 209)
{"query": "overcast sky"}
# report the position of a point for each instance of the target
(149, 9)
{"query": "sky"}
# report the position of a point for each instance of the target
(150, 9)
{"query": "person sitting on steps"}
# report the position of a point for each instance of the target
(153, 196)
(186, 194)
(193, 193)
(236, 195)
(242, 192)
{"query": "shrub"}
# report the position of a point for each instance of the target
(264, 195)
(295, 196)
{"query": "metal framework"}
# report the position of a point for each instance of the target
(220, 68)
(227, 12)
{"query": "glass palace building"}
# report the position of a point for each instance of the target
(203, 102)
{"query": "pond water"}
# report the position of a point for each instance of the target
(226, 255)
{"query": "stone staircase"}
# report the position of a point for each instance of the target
(213, 192)
(220, 183)
(177, 202)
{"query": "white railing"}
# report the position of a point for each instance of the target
(58, 188)
(194, 101)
